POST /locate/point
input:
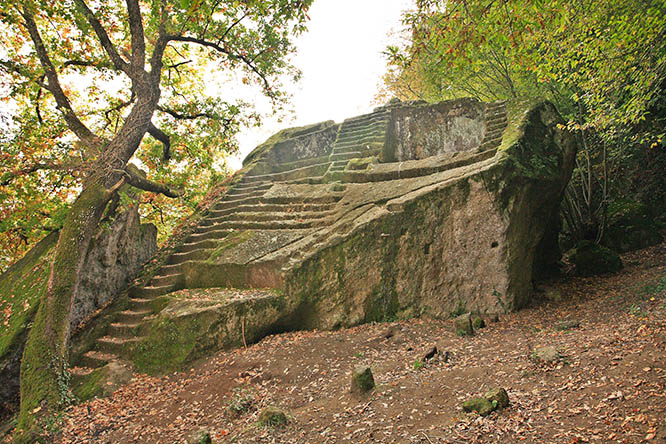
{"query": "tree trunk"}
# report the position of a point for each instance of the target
(44, 377)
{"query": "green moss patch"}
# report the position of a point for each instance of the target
(21, 287)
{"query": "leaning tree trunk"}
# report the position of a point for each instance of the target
(44, 377)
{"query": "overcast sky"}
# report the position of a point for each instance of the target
(342, 64)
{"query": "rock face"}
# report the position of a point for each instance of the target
(116, 255)
(114, 258)
(412, 209)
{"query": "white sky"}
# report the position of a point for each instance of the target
(342, 64)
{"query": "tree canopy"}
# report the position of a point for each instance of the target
(64, 101)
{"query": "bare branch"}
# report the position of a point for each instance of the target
(222, 50)
(104, 39)
(136, 179)
(61, 99)
(163, 137)
(179, 116)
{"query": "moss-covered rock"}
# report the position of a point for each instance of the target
(591, 259)
(630, 227)
(478, 322)
(462, 325)
(362, 380)
(482, 406)
(498, 397)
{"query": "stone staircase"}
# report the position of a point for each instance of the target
(268, 202)
(496, 122)
(359, 137)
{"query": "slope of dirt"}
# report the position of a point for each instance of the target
(608, 386)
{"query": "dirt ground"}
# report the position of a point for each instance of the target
(608, 386)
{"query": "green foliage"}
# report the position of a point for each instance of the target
(418, 365)
(243, 400)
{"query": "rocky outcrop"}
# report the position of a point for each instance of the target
(116, 254)
(412, 209)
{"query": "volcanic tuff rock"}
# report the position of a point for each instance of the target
(412, 209)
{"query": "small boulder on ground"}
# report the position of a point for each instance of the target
(362, 380)
(463, 325)
(499, 397)
(273, 417)
(494, 399)
(546, 354)
(480, 405)
(200, 437)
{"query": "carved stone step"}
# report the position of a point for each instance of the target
(124, 329)
(179, 258)
(95, 359)
(496, 126)
(346, 155)
(131, 316)
(490, 144)
(267, 216)
(151, 292)
(117, 346)
(202, 245)
(216, 235)
(282, 208)
(236, 191)
(170, 279)
(141, 303)
(268, 225)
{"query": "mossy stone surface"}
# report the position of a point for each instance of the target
(478, 322)
(499, 397)
(463, 325)
(482, 406)
(591, 259)
(362, 380)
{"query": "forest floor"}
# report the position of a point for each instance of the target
(609, 384)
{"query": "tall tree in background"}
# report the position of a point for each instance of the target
(602, 62)
(90, 80)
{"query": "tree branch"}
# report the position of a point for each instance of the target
(8, 177)
(162, 137)
(104, 39)
(136, 179)
(136, 32)
(179, 116)
(222, 50)
(61, 99)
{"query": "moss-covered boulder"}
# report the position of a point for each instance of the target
(362, 380)
(630, 227)
(591, 259)
(482, 406)
(462, 325)
(498, 397)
